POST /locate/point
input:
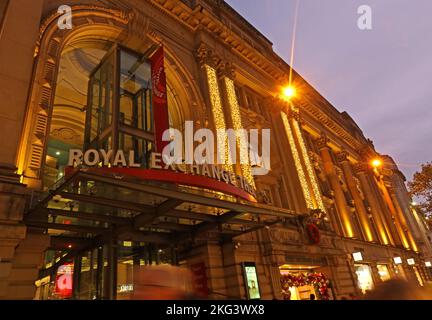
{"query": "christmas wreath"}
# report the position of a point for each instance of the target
(313, 233)
(318, 280)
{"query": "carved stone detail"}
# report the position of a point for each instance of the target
(206, 56)
(342, 156)
(139, 24)
(360, 167)
(322, 141)
(293, 114)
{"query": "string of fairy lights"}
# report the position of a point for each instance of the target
(217, 109)
(308, 164)
(297, 161)
(237, 124)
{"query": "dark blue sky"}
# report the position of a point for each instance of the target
(381, 77)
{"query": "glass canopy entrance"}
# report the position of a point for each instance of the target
(101, 218)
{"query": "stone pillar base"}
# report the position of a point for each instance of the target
(10, 236)
(25, 266)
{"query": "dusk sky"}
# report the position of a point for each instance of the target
(381, 77)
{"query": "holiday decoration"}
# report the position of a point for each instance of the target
(317, 280)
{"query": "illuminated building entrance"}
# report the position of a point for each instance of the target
(364, 276)
(304, 283)
(106, 223)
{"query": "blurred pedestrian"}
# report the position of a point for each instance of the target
(398, 289)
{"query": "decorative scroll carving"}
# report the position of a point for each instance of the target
(226, 70)
(293, 114)
(322, 141)
(342, 156)
(206, 56)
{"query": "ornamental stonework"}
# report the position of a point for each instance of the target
(322, 141)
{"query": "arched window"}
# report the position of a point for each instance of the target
(103, 100)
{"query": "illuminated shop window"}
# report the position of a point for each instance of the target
(364, 277)
(383, 272)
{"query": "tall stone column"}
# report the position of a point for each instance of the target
(358, 201)
(382, 229)
(394, 214)
(19, 258)
(405, 229)
(387, 210)
(340, 201)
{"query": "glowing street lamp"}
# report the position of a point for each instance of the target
(376, 163)
(288, 93)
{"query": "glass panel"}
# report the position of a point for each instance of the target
(86, 282)
(135, 92)
(100, 104)
(142, 148)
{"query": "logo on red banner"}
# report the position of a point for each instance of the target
(63, 283)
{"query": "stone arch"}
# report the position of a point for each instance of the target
(89, 21)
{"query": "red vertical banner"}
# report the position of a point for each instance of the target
(159, 97)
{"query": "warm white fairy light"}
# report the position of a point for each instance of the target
(217, 109)
(237, 125)
(297, 161)
(309, 168)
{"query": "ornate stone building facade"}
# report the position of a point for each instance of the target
(221, 73)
